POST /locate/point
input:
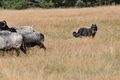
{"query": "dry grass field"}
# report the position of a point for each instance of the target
(67, 57)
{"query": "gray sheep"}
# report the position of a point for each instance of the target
(34, 38)
(21, 30)
(11, 40)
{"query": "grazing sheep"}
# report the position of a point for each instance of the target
(21, 30)
(86, 32)
(34, 38)
(9, 40)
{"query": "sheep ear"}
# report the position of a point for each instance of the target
(4, 21)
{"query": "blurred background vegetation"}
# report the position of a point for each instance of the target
(24, 4)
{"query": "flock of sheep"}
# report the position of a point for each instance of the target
(18, 38)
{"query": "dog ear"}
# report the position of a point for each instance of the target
(92, 25)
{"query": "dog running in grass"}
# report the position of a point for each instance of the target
(88, 32)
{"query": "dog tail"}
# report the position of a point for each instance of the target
(76, 34)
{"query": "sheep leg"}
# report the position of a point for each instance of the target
(42, 46)
(28, 50)
(18, 52)
(3, 53)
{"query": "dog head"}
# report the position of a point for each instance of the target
(94, 28)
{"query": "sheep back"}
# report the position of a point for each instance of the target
(32, 37)
(24, 29)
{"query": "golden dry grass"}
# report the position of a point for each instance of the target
(67, 58)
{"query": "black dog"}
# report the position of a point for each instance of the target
(86, 32)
